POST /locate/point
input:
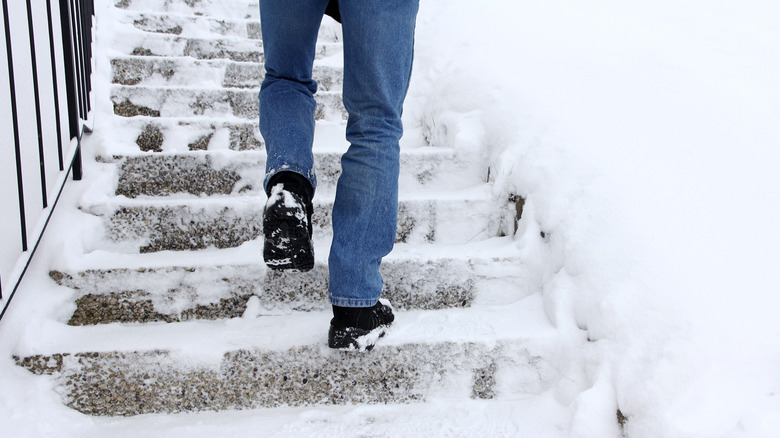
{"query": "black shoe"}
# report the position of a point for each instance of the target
(287, 225)
(358, 328)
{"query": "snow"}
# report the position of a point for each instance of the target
(644, 138)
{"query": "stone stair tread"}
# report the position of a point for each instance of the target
(200, 26)
(118, 383)
(188, 24)
(250, 255)
(210, 340)
(139, 43)
(155, 224)
(449, 413)
(476, 193)
(191, 73)
(236, 9)
(415, 278)
(225, 132)
(130, 101)
(200, 173)
(258, 156)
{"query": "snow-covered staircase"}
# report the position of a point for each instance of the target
(177, 312)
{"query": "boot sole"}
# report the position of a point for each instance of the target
(355, 339)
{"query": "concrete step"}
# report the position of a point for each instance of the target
(160, 382)
(235, 9)
(175, 135)
(132, 101)
(156, 72)
(207, 173)
(203, 26)
(271, 361)
(219, 134)
(157, 45)
(149, 288)
(234, 49)
(224, 222)
(193, 25)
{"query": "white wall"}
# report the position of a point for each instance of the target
(10, 223)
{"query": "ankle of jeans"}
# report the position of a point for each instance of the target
(353, 302)
(293, 182)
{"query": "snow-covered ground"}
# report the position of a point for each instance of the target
(645, 139)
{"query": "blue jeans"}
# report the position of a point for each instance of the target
(378, 49)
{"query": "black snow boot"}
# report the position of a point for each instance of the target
(287, 223)
(358, 328)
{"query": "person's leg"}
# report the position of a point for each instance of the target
(378, 49)
(287, 106)
(287, 124)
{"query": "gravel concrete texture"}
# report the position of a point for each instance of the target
(193, 225)
(133, 71)
(202, 174)
(135, 383)
(151, 139)
(219, 292)
(208, 102)
(166, 175)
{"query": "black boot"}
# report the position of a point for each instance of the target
(287, 223)
(358, 328)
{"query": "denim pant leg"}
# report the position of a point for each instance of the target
(378, 49)
(287, 104)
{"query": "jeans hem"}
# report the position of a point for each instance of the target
(353, 302)
(306, 173)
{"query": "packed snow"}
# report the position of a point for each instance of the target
(645, 140)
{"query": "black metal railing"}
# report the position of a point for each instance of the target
(51, 85)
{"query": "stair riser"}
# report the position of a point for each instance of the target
(158, 46)
(157, 175)
(183, 134)
(220, 292)
(158, 102)
(127, 384)
(147, 71)
(205, 27)
(189, 228)
(235, 9)
(201, 27)
(239, 50)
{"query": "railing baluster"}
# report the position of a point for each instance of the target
(15, 123)
(37, 99)
(82, 72)
(52, 53)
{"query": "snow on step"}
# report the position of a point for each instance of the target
(236, 9)
(240, 50)
(136, 383)
(186, 102)
(193, 25)
(208, 173)
(219, 292)
(271, 361)
(156, 134)
(224, 222)
(208, 27)
(150, 71)
(147, 290)
(154, 45)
